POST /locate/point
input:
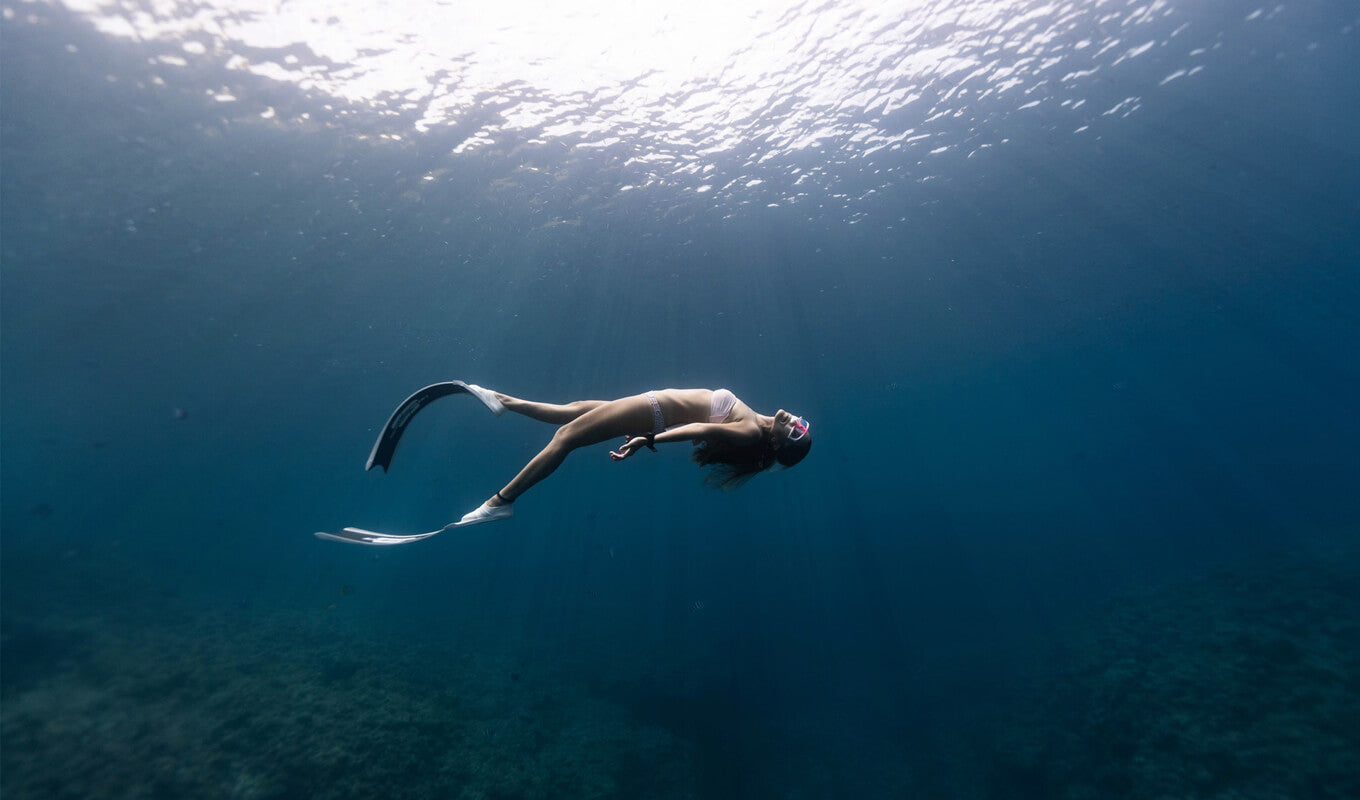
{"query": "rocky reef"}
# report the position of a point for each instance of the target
(251, 707)
(1235, 685)
(1244, 684)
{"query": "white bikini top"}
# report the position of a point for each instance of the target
(721, 405)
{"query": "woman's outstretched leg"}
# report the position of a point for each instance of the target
(606, 420)
(548, 412)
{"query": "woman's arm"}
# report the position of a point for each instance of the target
(737, 433)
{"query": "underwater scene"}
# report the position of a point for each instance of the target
(1057, 299)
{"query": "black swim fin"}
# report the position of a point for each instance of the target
(386, 445)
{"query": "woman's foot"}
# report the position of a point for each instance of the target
(487, 397)
(486, 513)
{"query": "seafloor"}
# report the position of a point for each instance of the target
(1240, 684)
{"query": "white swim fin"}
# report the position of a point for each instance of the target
(361, 536)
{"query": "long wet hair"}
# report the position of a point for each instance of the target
(730, 465)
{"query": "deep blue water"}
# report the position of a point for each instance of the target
(1080, 519)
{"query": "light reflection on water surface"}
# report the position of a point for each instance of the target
(737, 99)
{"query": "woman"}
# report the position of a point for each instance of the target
(729, 437)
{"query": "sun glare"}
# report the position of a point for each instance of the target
(676, 84)
(448, 54)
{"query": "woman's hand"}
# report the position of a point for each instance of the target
(631, 446)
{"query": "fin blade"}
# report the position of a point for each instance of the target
(386, 446)
(374, 538)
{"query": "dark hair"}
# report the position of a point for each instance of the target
(792, 452)
(733, 465)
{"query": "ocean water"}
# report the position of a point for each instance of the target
(1068, 292)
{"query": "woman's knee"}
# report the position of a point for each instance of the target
(580, 407)
(567, 437)
(580, 432)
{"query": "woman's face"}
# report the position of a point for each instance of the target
(788, 426)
